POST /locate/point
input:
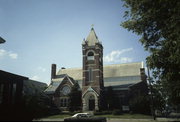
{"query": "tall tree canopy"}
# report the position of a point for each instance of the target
(158, 24)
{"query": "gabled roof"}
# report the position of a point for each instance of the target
(120, 70)
(57, 82)
(90, 89)
(59, 78)
(31, 87)
(92, 38)
(75, 73)
(110, 71)
(52, 87)
(7, 76)
(114, 74)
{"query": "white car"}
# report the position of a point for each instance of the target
(82, 115)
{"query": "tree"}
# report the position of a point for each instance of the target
(36, 106)
(139, 100)
(75, 98)
(110, 98)
(140, 104)
(158, 24)
(159, 97)
(112, 101)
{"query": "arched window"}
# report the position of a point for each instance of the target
(64, 102)
(90, 75)
(90, 55)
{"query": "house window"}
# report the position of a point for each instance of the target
(90, 75)
(1, 92)
(90, 56)
(61, 103)
(64, 102)
(14, 93)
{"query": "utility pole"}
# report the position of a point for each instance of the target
(151, 94)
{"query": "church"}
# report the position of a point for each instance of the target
(126, 80)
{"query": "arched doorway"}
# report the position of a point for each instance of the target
(91, 103)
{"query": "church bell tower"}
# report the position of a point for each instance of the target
(92, 84)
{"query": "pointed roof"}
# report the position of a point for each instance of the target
(92, 38)
(57, 82)
(90, 89)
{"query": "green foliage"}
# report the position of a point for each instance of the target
(31, 107)
(159, 97)
(117, 112)
(37, 105)
(110, 98)
(102, 112)
(75, 98)
(140, 104)
(112, 101)
(157, 22)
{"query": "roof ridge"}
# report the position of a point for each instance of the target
(73, 68)
(106, 65)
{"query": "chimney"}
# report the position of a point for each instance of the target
(143, 74)
(53, 71)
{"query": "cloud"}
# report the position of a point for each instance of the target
(114, 56)
(4, 53)
(42, 69)
(13, 55)
(35, 77)
(125, 59)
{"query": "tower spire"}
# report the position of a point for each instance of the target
(92, 84)
(92, 26)
(92, 38)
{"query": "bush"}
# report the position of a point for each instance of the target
(102, 112)
(140, 105)
(117, 112)
(72, 113)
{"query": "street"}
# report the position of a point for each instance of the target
(108, 120)
(122, 120)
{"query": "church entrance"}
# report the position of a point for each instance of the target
(91, 103)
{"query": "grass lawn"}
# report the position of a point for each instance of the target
(58, 116)
(127, 116)
(123, 116)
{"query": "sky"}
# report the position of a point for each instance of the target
(39, 33)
